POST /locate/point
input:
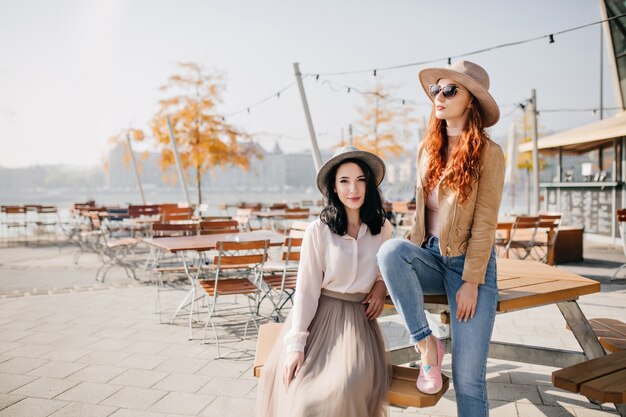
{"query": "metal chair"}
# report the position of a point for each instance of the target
(523, 235)
(238, 268)
(280, 277)
(548, 222)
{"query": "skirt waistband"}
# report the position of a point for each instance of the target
(356, 297)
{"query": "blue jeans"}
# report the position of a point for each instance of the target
(410, 272)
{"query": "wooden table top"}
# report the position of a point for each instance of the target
(526, 284)
(208, 242)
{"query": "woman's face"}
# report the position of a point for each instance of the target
(350, 185)
(455, 107)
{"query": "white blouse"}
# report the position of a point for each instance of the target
(337, 263)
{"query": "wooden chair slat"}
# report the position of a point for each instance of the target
(250, 245)
(243, 260)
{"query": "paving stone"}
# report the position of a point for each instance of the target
(29, 351)
(530, 378)
(10, 382)
(537, 410)
(513, 393)
(32, 407)
(45, 388)
(97, 373)
(89, 392)
(183, 383)
(135, 398)
(184, 403)
(84, 410)
(11, 335)
(65, 354)
(123, 412)
(6, 346)
(142, 361)
(21, 365)
(502, 409)
(42, 338)
(226, 368)
(76, 341)
(220, 386)
(586, 412)
(109, 344)
(186, 351)
(57, 369)
(231, 407)
(182, 365)
(103, 357)
(150, 348)
(9, 399)
(143, 378)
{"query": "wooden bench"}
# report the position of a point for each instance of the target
(602, 379)
(610, 332)
(402, 390)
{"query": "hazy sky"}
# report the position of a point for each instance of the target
(73, 73)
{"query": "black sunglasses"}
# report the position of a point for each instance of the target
(448, 90)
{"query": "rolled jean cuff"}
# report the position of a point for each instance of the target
(421, 334)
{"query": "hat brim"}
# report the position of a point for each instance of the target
(489, 107)
(377, 166)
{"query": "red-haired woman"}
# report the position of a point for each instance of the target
(459, 189)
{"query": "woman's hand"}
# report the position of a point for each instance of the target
(375, 300)
(293, 364)
(466, 298)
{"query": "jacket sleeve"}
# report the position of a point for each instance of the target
(308, 290)
(488, 198)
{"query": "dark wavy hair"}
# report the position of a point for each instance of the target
(372, 212)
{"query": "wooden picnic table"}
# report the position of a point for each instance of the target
(530, 284)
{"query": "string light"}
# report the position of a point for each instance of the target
(478, 51)
(275, 95)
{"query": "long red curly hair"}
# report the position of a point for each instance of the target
(464, 167)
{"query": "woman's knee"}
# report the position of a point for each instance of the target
(391, 250)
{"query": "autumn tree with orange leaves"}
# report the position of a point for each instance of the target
(384, 124)
(204, 139)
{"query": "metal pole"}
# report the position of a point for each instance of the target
(137, 178)
(534, 133)
(317, 159)
(350, 133)
(179, 167)
(601, 75)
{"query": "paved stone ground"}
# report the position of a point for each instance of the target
(70, 347)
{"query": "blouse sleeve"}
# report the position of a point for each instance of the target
(308, 290)
(386, 231)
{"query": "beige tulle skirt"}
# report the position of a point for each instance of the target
(345, 372)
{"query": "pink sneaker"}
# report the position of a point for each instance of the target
(429, 380)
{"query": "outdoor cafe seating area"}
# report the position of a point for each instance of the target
(235, 267)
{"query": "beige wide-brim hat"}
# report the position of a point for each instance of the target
(377, 166)
(471, 76)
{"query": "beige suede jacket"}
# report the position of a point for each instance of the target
(469, 228)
